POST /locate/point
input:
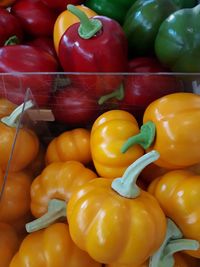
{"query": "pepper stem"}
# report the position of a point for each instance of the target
(126, 185)
(173, 243)
(145, 138)
(88, 27)
(13, 40)
(118, 94)
(56, 210)
(13, 119)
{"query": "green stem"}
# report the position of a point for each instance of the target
(56, 210)
(126, 185)
(88, 27)
(117, 94)
(13, 119)
(13, 40)
(173, 243)
(145, 138)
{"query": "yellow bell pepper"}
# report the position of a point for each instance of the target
(109, 132)
(178, 193)
(177, 137)
(116, 221)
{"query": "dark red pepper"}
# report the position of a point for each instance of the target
(36, 18)
(96, 45)
(143, 85)
(61, 4)
(72, 106)
(17, 62)
(9, 26)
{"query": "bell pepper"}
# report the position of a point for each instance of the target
(60, 4)
(185, 3)
(142, 23)
(95, 45)
(20, 143)
(70, 145)
(173, 45)
(80, 109)
(65, 20)
(170, 253)
(9, 26)
(52, 189)
(178, 193)
(18, 77)
(15, 196)
(112, 219)
(110, 8)
(6, 107)
(108, 133)
(177, 130)
(51, 247)
(36, 18)
(8, 243)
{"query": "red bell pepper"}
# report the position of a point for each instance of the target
(96, 45)
(71, 105)
(9, 26)
(61, 4)
(36, 18)
(18, 61)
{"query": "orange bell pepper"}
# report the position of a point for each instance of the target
(51, 247)
(176, 119)
(8, 243)
(113, 220)
(108, 133)
(26, 146)
(169, 254)
(6, 3)
(65, 20)
(15, 196)
(6, 107)
(52, 189)
(178, 193)
(70, 145)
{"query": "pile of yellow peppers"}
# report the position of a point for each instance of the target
(118, 194)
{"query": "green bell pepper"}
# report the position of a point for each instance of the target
(114, 9)
(142, 23)
(177, 44)
(185, 3)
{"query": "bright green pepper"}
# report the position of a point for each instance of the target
(142, 23)
(178, 41)
(114, 9)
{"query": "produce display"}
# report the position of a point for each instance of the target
(99, 133)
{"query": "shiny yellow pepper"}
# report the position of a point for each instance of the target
(116, 221)
(175, 118)
(108, 133)
(178, 193)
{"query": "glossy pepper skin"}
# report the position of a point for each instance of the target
(178, 193)
(108, 133)
(112, 220)
(179, 53)
(8, 243)
(96, 45)
(32, 60)
(60, 4)
(24, 149)
(15, 196)
(70, 145)
(176, 121)
(9, 26)
(6, 107)
(52, 247)
(142, 23)
(58, 180)
(110, 8)
(65, 20)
